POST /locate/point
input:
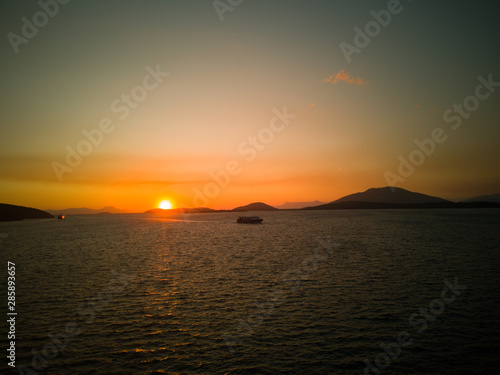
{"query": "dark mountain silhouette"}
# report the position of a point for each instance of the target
(381, 205)
(297, 205)
(10, 212)
(485, 198)
(390, 195)
(257, 206)
(159, 211)
(86, 211)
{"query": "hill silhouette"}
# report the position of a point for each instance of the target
(390, 195)
(10, 212)
(381, 205)
(86, 211)
(257, 206)
(485, 198)
(297, 205)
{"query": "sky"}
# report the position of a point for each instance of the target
(224, 103)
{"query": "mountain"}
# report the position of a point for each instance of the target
(390, 195)
(257, 206)
(381, 205)
(297, 205)
(10, 212)
(485, 198)
(86, 211)
(159, 211)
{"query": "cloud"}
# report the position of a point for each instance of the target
(342, 76)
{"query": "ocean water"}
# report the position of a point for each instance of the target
(321, 292)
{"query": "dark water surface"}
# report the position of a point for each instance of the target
(304, 293)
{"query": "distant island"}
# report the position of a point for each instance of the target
(257, 206)
(10, 212)
(485, 198)
(390, 194)
(357, 205)
(297, 205)
(396, 198)
(86, 211)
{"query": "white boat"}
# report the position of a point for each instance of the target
(249, 220)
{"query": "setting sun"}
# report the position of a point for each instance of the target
(165, 204)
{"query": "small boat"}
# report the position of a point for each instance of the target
(60, 216)
(249, 220)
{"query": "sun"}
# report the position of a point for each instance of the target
(165, 204)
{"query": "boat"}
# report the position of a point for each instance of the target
(249, 220)
(60, 216)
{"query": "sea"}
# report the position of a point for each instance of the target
(305, 292)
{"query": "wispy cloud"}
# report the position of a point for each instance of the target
(342, 76)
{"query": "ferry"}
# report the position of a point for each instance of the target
(249, 220)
